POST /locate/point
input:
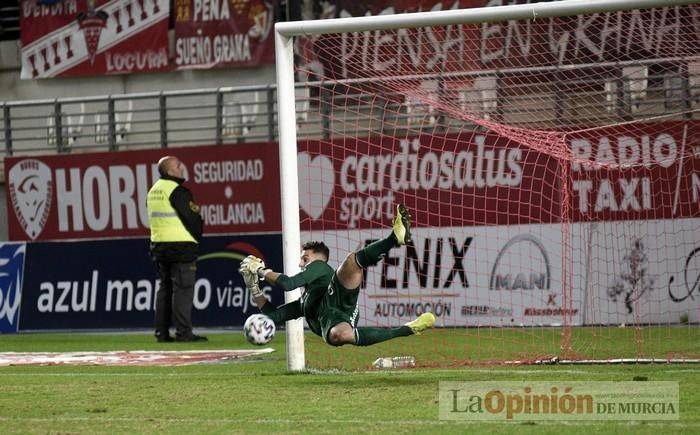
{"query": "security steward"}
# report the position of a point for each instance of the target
(176, 230)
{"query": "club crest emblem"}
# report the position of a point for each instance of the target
(30, 188)
(91, 23)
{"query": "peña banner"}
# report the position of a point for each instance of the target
(93, 37)
(218, 34)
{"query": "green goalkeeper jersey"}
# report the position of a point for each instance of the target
(315, 278)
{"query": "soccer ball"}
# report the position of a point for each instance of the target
(259, 329)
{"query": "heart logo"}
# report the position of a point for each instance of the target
(31, 191)
(316, 190)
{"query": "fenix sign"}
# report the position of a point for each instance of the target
(101, 195)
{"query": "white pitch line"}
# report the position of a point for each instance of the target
(545, 369)
(335, 372)
(307, 420)
(103, 375)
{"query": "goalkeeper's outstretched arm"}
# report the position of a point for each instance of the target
(287, 283)
(252, 269)
(288, 311)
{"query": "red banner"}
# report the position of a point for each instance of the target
(469, 179)
(215, 34)
(410, 51)
(101, 195)
(542, 42)
(93, 37)
(650, 173)
(474, 179)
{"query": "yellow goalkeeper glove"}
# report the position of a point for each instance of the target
(256, 266)
(250, 279)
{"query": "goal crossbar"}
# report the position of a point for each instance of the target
(467, 16)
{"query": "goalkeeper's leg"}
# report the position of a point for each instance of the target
(400, 235)
(349, 275)
(350, 271)
(343, 333)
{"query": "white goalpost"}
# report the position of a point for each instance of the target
(285, 34)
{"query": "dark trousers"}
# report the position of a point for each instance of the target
(174, 298)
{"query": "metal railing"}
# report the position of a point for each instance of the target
(249, 114)
(143, 120)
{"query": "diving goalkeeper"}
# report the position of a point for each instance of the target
(330, 300)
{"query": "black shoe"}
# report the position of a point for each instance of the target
(164, 338)
(192, 337)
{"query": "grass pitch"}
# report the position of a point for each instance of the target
(259, 396)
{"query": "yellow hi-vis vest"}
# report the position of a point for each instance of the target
(166, 226)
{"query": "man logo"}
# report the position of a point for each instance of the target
(11, 273)
(31, 191)
(522, 264)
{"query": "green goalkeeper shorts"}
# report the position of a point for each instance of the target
(337, 306)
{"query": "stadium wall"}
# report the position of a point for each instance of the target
(89, 269)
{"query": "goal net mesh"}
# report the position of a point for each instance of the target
(552, 169)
